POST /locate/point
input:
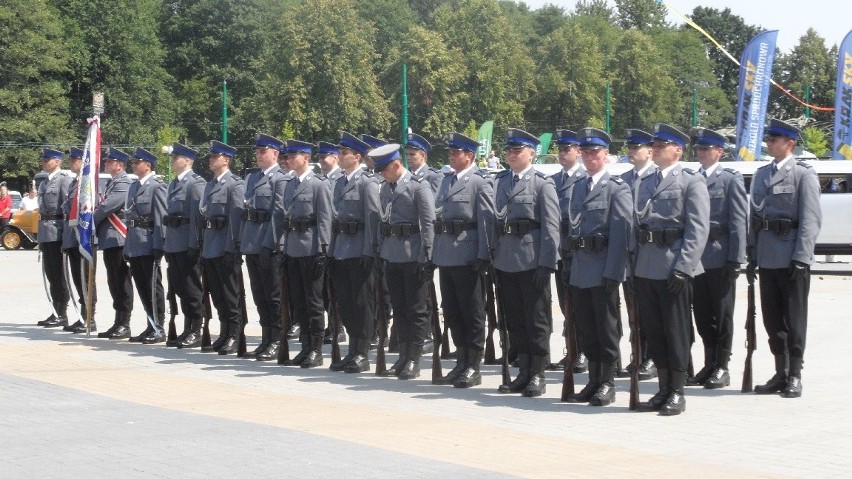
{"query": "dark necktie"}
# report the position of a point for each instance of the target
(659, 176)
(345, 181)
(704, 172)
(452, 180)
(774, 168)
(515, 179)
(591, 184)
(392, 186)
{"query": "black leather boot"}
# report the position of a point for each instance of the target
(70, 328)
(46, 320)
(657, 400)
(147, 332)
(455, 373)
(647, 370)
(270, 353)
(676, 402)
(193, 337)
(361, 361)
(159, 334)
(605, 394)
(470, 376)
(353, 351)
(122, 327)
(793, 387)
(536, 387)
(314, 357)
(306, 349)
(109, 331)
(589, 390)
(720, 377)
(397, 366)
(220, 341)
(704, 373)
(777, 382)
(61, 320)
(520, 382)
(264, 343)
(411, 368)
(581, 363)
(187, 329)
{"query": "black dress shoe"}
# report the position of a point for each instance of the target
(56, 322)
(173, 343)
(536, 387)
(299, 358)
(230, 347)
(154, 338)
(648, 370)
(190, 341)
(675, 405)
(78, 329)
(560, 366)
(216, 346)
(46, 320)
(702, 376)
(70, 328)
(359, 364)
(409, 370)
(585, 394)
(120, 332)
(312, 360)
(719, 379)
(341, 365)
(623, 373)
(581, 364)
(655, 403)
(294, 331)
(109, 331)
(138, 339)
(270, 353)
(394, 368)
(776, 384)
(604, 396)
(793, 388)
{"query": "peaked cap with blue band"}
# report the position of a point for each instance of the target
(384, 156)
(266, 141)
(49, 154)
(706, 136)
(666, 132)
(458, 141)
(780, 128)
(298, 146)
(593, 138)
(348, 140)
(373, 141)
(117, 155)
(326, 148)
(417, 141)
(75, 152)
(636, 136)
(517, 137)
(145, 155)
(566, 137)
(222, 149)
(183, 150)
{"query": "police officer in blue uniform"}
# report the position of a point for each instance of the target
(264, 199)
(52, 194)
(355, 201)
(181, 230)
(328, 159)
(600, 222)
(786, 219)
(713, 291)
(112, 231)
(406, 235)
(465, 211)
(372, 142)
(307, 235)
(71, 247)
(639, 155)
(527, 249)
(673, 216)
(572, 172)
(221, 211)
(417, 155)
(144, 210)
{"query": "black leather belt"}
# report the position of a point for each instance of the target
(175, 221)
(140, 223)
(216, 222)
(591, 243)
(52, 217)
(777, 226)
(398, 229)
(299, 224)
(517, 227)
(454, 227)
(347, 227)
(660, 237)
(256, 215)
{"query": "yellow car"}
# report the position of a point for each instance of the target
(22, 230)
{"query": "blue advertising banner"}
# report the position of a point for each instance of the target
(755, 73)
(843, 102)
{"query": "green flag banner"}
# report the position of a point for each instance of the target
(543, 146)
(485, 139)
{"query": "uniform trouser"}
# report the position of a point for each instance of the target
(355, 299)
(629, 296)
(306, 294)
(463, 304)
(184, 277)
(785, 310)
(265, 281)
(118, 280)
(526, 308)
(149, 285)
(51, 256)
(665, 321)
(80, 277)
(598, 312)
(410, 299)
(713, 306)
(224, 287)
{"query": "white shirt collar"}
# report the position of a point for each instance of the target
(709, 171)
(304, 175)
(181, 176)
(573, 169)
(464, 171)
(269, 170)
(524, 172)
(644, 168)
(142, 181)
(597, 176)
(219, 178)
(665, 172)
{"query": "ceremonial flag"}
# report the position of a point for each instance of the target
(753, 89)
(485, 132)
(543, 146)
(843, 102)
(87, 189)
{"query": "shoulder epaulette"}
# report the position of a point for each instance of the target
(482, 173)
(416, 178)
(367, 174)
(765, 166)
(502, 174)
(803, 164)
(616, 179)
(434, 170)
(236, 177)
(688, 171)
(540, 174)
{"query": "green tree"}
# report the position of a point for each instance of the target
(596, 8)
(642, 96)
(318, 75)
(570, 88)
(435, 76)
(815, 140)
(733, 34)
(33, 84)
(641, 14)
(115, 50)
(391, 20)
(809, 65)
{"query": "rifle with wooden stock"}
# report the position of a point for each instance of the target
(751, 336)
